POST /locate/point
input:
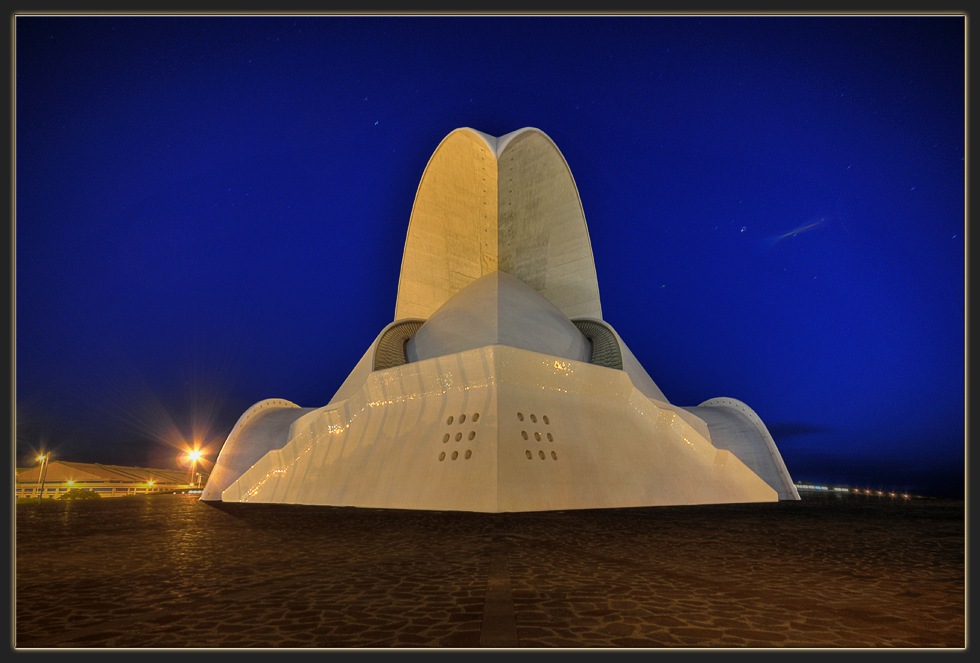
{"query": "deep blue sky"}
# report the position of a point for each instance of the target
(212, 211)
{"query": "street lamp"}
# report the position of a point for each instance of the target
(194, 456)
(40, 478)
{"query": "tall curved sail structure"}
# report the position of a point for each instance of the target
(498, 386)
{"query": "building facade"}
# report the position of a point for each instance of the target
(499, 386)
(106, 480)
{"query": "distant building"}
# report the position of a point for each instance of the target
(499, 386)
(106, 480)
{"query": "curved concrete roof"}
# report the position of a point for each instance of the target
(263, 427)
(498, 309)
(507, 203)
(735, 427)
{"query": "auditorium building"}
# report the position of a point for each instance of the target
(499, 386)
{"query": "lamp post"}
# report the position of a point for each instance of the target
(194, 456)
(40, 478)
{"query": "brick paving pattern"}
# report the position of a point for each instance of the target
(167, 571)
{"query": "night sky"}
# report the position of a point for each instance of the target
(211, 211)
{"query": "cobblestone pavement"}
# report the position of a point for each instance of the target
(168, 571)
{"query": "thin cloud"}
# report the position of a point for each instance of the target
(780, 430)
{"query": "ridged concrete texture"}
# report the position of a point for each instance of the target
(511, 205)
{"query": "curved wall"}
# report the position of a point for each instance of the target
(452, 233)
(485, 204)
(735, 427)
(263, 427)
(543, 237)
(390, 349)
(498, 309)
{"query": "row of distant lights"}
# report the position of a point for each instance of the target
(72, 483)
(806, 486)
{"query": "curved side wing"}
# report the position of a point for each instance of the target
(735, 427)
(263, 427)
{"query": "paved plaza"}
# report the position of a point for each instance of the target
(168, 571)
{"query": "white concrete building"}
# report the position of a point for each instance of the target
(498, 386)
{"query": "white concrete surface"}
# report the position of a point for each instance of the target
(262, 427)
(736, 427)
(485, 204)
(498, 309)
(529, 432)
(483, 394)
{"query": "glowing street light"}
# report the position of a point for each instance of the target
(193, 456)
